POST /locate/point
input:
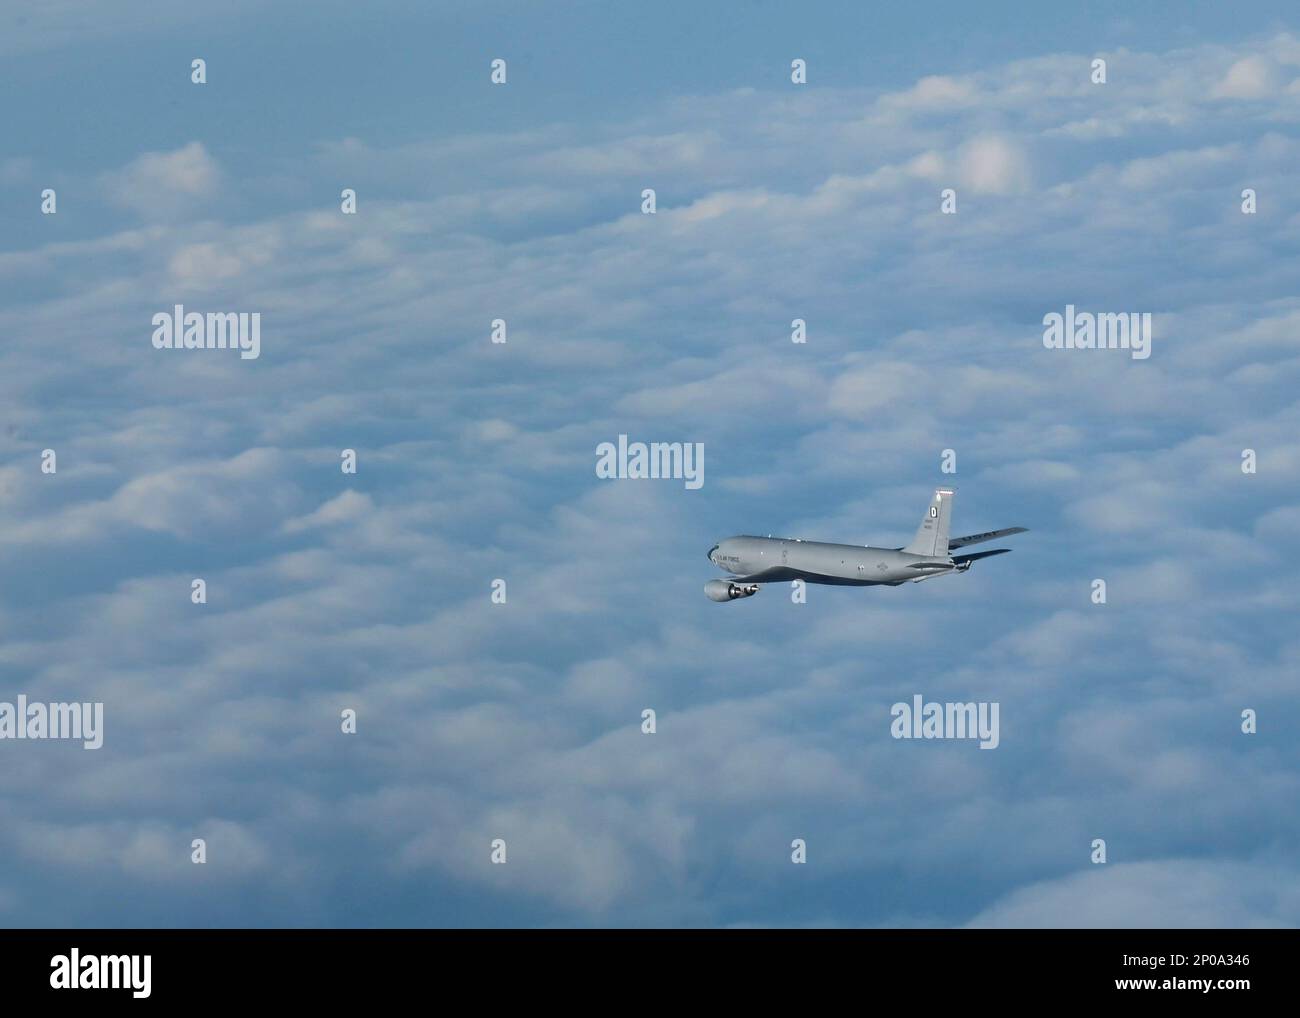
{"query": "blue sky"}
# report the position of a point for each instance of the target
(522, 721)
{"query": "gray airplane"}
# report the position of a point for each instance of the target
(755, 560)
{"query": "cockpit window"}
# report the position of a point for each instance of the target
(712, 550)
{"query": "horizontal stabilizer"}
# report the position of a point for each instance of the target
(959, 559)
(992, 535)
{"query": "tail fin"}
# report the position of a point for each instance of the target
(931, 537)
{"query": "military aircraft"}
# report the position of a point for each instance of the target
(752, 561)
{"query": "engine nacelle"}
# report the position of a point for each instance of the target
(725, 590)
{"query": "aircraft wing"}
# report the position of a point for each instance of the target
(772, 575)
(992, 535)
(784, 574)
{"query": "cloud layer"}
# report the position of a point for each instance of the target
(476, 460)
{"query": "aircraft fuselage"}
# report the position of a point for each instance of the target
(849, 565)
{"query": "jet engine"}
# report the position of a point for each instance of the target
(725, 590)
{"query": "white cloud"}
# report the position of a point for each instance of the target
(1163, 894)
(994, 165)
(161, 184)
(1251, 77)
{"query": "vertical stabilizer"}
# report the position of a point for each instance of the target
(931, 538)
